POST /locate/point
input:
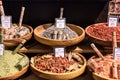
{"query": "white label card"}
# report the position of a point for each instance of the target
(6, 21)
(1, 49)
(112, 21)
(117, 54)
(59, 51)
(60, 23)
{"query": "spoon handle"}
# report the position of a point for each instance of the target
(97, 51)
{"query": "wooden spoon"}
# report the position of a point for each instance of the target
(61, 13)
(114, 40)
(21, 16)
(19, 46)
(97, 51)
(2, 9)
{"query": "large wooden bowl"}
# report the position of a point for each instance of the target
(97, 76)
(40, 29)
(18, 74)
(16, 41)
(97, 40)
(58, 76)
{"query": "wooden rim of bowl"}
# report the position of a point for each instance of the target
(25, 67)
(46, 72)
(38, 35)
(86, 30)
(15, 73)
(95, 74)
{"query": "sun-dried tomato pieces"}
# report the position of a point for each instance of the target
(102, 31)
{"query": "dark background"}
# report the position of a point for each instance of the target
(37, 12)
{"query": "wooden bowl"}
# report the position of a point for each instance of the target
(40, 29)
(97, 76)
(99, 41)
(18, 74)
(58, 76)
(15, 41)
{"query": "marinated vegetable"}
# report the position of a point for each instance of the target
(54, 64)
(102, 31)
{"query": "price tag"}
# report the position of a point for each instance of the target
(6, 21)
(1, 49)
(117, 54)
(112, 21)
(60, 23)
(59, 51)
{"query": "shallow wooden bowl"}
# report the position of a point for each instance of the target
(58, 76)
(97, 76)
(97, 40)
(15, 41)
(18, 74)
(40, 29)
